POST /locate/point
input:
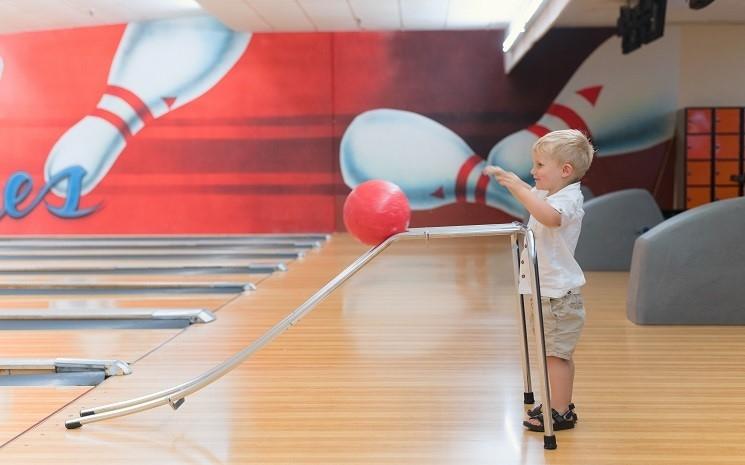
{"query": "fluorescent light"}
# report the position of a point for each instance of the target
(161, 7)
(187, 5)
(518, 23)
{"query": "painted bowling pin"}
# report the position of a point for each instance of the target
(428, 161)
(613, 97)
(625, 103)
(158, 67)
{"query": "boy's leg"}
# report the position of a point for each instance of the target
(563, 319)
(571, 384)
(569, 315)
(561, 378)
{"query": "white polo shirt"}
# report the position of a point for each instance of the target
(558, 271)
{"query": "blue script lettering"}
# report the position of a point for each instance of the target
(20, 185)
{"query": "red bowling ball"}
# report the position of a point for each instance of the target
(376, 210)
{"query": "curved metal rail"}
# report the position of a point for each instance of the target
(176, 395)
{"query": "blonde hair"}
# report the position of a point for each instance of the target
(567, 146)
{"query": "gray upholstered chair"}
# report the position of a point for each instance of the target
(691, 268)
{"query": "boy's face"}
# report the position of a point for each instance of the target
(550, 174)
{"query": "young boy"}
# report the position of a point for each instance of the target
(560, 159)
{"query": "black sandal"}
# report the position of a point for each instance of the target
(537, 410)
(561, 421)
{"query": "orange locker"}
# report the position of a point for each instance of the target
(726, 146)
(726, 172)
(696, 196)
(721, 193)
(727, 120)
(698, 120)
(714, 151)
(698, 173)
(698, 147)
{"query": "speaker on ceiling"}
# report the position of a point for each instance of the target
(641, 24)
(698, 4)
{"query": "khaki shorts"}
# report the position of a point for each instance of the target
(563, 319)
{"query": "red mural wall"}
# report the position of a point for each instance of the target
(259, 150)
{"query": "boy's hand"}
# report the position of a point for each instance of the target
(507, 179)
(521, 190)
(492, 170)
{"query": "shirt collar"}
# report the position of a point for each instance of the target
(575, 186)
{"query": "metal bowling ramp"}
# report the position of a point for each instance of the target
(96, 318)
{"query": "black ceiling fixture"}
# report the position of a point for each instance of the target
(642, 23)
(698, 4)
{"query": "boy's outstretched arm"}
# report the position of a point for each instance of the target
(538, 208)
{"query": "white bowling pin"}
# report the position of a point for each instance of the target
(158, 67)
(613, 97)
(428, 161)
(625, 103)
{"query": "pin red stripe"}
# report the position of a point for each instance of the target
(462, 179)
(115, 120)
(538, 130)
(133, 101)
(481, 189)
(569, 116)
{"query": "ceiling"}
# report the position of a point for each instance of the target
(333, 15)
(361, 15)
(264, 15)
(35, 15)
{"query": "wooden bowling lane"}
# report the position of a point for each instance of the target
(165, 273)
(122, 344)
(24, 302)
(324, 360)
(135, 288)
(148, 254)
(414, 361)
(92, 311)
(130, 269)
(8, 281)
(125, 285)
(23, 407)
(152, 279)
(144, 269)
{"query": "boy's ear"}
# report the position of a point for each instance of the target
(567, 170)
